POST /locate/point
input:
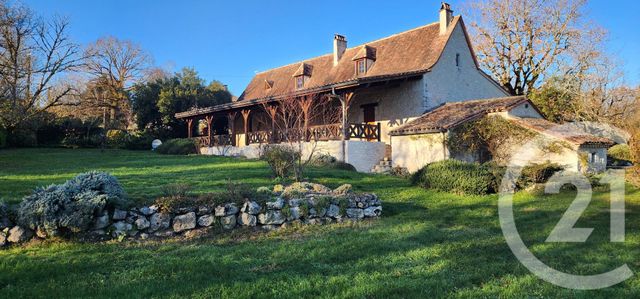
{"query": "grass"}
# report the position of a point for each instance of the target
(427, 244)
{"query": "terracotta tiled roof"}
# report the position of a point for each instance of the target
(412, 51)
(567, 131)
(453, 114)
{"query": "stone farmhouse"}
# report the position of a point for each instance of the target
(399, 97)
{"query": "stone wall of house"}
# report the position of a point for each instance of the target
(415, 151)
(397, 104)
(596, 157)
(363, 155)
(524, 110)
(448, 82)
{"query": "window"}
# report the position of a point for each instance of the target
(361, 66)
(457, 59)
(299, 82)
(526, 106)
(593, 158)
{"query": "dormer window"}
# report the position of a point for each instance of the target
(302, 74)
(364, 59)
(299, 82)
(361, 66)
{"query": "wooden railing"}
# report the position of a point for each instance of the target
(216, 140)
(364, 131)
(317, 133)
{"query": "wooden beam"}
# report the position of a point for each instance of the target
(245, 118)
(189, 127)
(231, 116)
(209, 119)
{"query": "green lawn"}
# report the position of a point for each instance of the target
(427, 244)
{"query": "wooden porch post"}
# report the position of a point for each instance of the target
(189, 127)
(231, 116)
(272, 110)
(209, 119)
(245, 118)
(305, 105)
(345, 100)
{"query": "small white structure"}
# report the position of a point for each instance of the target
(155, 144)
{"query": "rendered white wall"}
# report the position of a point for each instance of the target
(415, 151)
(447, 82)
(363, 155)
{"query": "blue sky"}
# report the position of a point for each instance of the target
(231, 40)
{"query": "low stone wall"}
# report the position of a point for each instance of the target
(321, 207)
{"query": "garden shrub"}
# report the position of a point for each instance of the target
(456, 176)
(117, 138)
(176, 189)
(619, 155)
(281, 159)
(537, 173)
(328, 161)
(72, 206)
(138, 141)
(179, 146)
(497, 172)
(399, 171)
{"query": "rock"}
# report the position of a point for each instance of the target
(295, 202)
(343, 189)
(251, 207)
(230, 209)
(144, 236)
(159, 221)
(219, 211)
(41, 233)
(185, 210)
(148, 211)
(206, 220)
(121, 226)
(228, 222)
(131, 218)
(142, 223)
(315, 221)
(3, 239)
(333, 211)
(271, 217)
(203, 210)
(164, 233)
(119, 214)
(132, 232)
(278, 204)
(19, 234)
(5, 222)
(247, 219)
(101, 221)
(184, 222)
(295, 212)
(374, 211)
(355, 213)
(313, 212)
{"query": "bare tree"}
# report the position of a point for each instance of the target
(301, 121)
(114, 65)
(520, 42)
(34, 54)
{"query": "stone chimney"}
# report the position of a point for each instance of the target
(339, 45)
(446, 15)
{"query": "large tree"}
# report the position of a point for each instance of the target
(521, 42)
(156, 102)
(115, 66)
(35, 54)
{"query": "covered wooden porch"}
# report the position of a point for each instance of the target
(272, 121)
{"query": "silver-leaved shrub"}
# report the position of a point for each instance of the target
(72, 206)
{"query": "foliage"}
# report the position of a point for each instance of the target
(176, 189)
(72, 206)
(537, 173)
(281, 159)
(177, 196)
(179, 146)
(456, 176)
(487, 137)
(3, 138)
(324, 160)
(116, 138)
(620, 152)
(70, 132)
(555, 100)
(399, 171)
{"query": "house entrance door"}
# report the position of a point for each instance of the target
(369, 112)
